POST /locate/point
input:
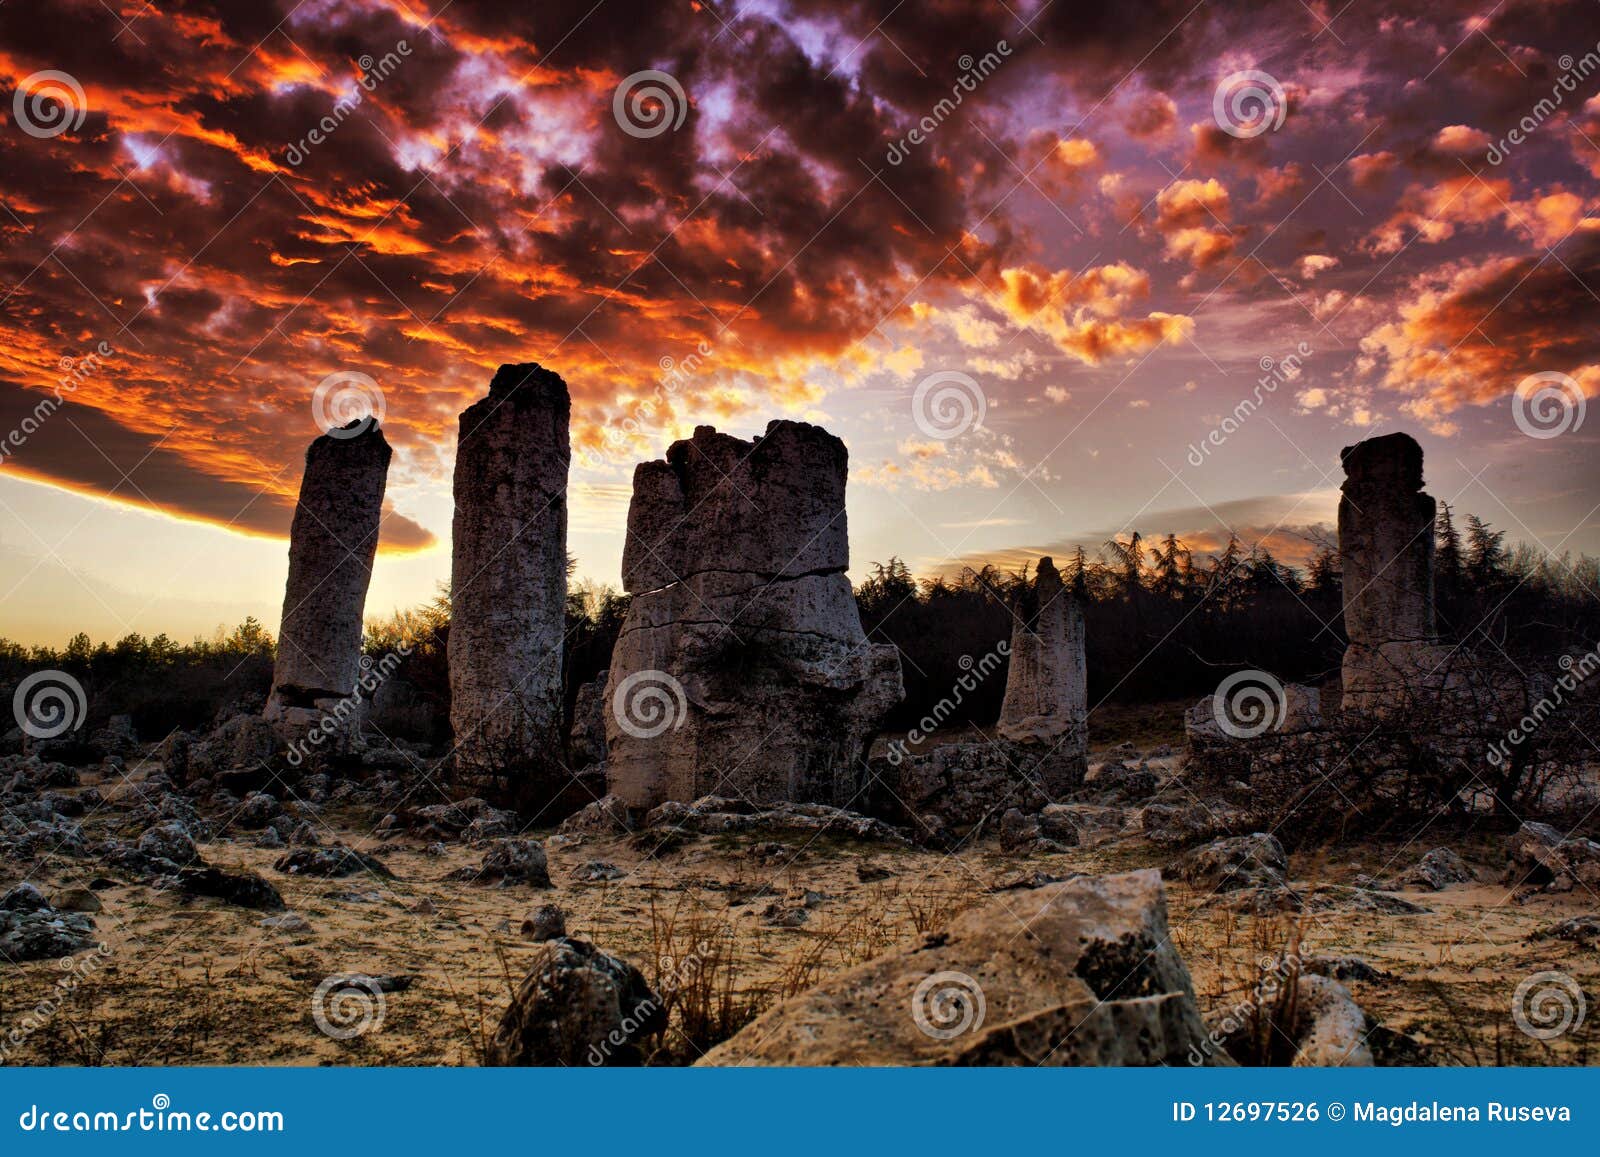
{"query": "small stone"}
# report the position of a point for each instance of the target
(595, 871)
(288, 922)
(76, 900)
(546, 922)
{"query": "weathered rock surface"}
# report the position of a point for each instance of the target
(245, 889)
(330, 863)
(508, 575)
(1438, 870)
(576, 1006)
(1236, 863)
(1333, 1029)
(332, 542)
(1047, 687)
(1541, 856)
(588, 735)
(964, 784)
(1386, 547)
(30, 929)
(742, 666)
(715, 815)
(1095, 981)
(509, 862)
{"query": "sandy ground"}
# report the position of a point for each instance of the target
(202, 982)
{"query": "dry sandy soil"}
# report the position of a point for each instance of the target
(202, 982)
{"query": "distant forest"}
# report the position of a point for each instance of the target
(1164, 624)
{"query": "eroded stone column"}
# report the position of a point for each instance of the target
(1386, 544)
(1047, 688)
(332, 542)
(742, 668)
(508, 575)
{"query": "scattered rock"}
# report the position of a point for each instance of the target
(595, 871)
(330, 863)
(603, 817)
(170, 841)
(1582, 930)
(869, 873)
(1345, 968)
(75, 900)
(288, 922)
(1326, 897)
(1542, 856)
(510, 862)
(1335, 1028)
(1026, 833)
(246, 889)
(1235, 863)
(577, 1006)
(1095, 982)
(1437, 870)
(546, 922)
(43, 934)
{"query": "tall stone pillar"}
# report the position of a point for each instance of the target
(332, 542)
(1386, 544)
(1047, 688)
(508, 575)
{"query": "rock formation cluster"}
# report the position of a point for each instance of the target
(508, 574)
(332, 542)
(742, 668)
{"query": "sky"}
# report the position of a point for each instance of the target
(1053, 271)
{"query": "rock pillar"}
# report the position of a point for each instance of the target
(332, 542)
(1386, 544)
(1047, 687)
(508, 576)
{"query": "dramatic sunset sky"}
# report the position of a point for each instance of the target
(1081, 237)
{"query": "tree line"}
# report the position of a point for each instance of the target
(1164, 623)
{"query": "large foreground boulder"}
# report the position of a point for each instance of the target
(1076, 973)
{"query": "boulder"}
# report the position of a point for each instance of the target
(1235, 863)
(546, 922)
(1077, 973)
(1438, 870)
(576, 1006)
(170, 841)
(1540, 855)
(509, 862)
(245, 889)
(330, 863)
(1332, 1029)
